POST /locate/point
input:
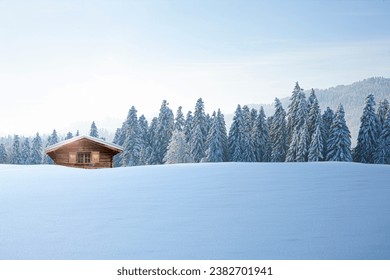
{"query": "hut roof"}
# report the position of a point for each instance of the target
(98, 141)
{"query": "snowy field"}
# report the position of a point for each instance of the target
(196, 211)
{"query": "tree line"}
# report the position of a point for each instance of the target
(301, 134)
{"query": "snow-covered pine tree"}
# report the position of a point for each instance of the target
(368, 133)
(3, 154)
(165, 125)
(383, 109)
(261, 137)
(69, 135)
(188, 126)
(198, 132)
(77, 133)
(215, 149)
(304, 141)
(297, 111)
(150, 154)
(278, 133)
(327, 120)
(235, 141)
(269, 143)
(179, 119)
(16, 157)
(224, 136)
(26, 152)
(248, 148)
(94, 131)
(316, 145)
(292, 151)
(132, 140)
(51, 140)
(339, 141)
(314, 112)
(178, 150)
(382, 155)
(143, 131)
(253, 118)
(36, 150)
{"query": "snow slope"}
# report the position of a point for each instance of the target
(196, 211)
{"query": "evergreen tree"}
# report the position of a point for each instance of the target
(235, 141)
(77, 133)
(261, 137)
(69, 135)
(304, 141)
(179, 120)
(248, 148)
(198, 132)
(382, 155)
(132, 140)
(143, 130)
(3, 154)
(339, 141)
(117, 138)
(316, 145)
(215, 150)
(151, 150)
(188, 126)
(16, 151)
(278, 133)
(178, 150)
(165, 125)
(224, 136)
(368, 133)
(327, 120)
(26, 151)
(94, 131)
(297, 111)
(314, 112)
(36, 150)
(52, 139)
(381, 113)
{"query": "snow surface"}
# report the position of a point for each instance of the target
(196, 211)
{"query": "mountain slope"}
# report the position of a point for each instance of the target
(351, 96)
(196, 211)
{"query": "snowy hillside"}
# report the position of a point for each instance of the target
(196, 211)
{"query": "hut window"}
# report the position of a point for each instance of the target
(83, 157)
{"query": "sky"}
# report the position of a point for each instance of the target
(67, 62)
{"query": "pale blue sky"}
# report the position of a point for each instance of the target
(70, 59)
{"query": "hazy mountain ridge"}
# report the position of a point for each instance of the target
(352, 97)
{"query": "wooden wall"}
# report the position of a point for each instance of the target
(101, 157)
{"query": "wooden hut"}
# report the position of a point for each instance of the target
(84, 152)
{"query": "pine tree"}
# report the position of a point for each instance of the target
(278, 133)
(327, 120)
(164, 130)
(94, 131)
(316, 145)
(261, 137)
(383, 109)
(36, 150)
(235, 141)
(132, 140)
(382, 154)
(339, 141)
(313, 113)
(297, 111)
(215, 141)
(304, 141)
(178, 150)
(179, 119)
(77, 133)
(26, 152)
(198, 132)
(143, 130)
(16, 157)
(188, 126)
(52, 139)
(368, 133)
(3, 154)
(224, 136)
(248, 148)
(69, 135)
(150, 153)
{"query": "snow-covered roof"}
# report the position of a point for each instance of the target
(93, 139)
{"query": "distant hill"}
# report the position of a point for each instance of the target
(350, 96)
